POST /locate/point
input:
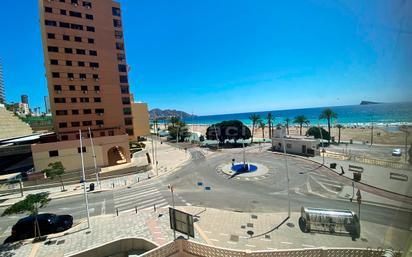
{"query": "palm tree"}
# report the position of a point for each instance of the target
(174, 121)
(301, 119)
(339, 128)
(270, 119)
(287, 120)
(255, 118)
(328, 114)
(262, 125)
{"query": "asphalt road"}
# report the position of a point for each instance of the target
(265, 195)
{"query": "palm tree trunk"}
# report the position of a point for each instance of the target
(61, 181)
(263, 132)
(301, 124)
(339, 137)
(329, 130)
(287, 128)
(253, 129)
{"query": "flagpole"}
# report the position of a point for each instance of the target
(84, 180)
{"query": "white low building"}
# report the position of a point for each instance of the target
(308, 146)
(194, 137)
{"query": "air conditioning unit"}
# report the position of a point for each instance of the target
(59, 91)
(96, 79)
(97, 91)
(88, 7)
(100, 125)
(71, 78)
(74, 4)
(84, 92)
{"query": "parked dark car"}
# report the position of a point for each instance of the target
(48, 223)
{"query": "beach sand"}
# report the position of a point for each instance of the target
(358, 134)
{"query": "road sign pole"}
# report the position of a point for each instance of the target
(287, 174)
(84, 180)
(174, 213)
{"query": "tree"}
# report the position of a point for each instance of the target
(270, 119)
(55, 169)
(315, 131)
(339, 128)
(178, 130)
(328, 114)
(262, 125)
(255, 118)
(287, 120)
(174, 121)
(301, 119)
(227, 130)
(30, 205)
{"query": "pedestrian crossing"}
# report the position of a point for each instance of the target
(141, 197)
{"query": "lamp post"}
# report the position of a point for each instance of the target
(173, 207)
(94, 159)
(84, 180)
(287, 173)
(323, 147)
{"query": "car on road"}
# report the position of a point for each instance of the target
(396, 152)
(48, 224)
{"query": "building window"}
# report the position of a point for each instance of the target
(94, 65)
(90, 28)
(127, 111)
(78, 39)
(63, 12)
(90, 40)
(126, 100)
(87, 111)
(75, 124)
(89, 16)
(81, 64)
(99, 122)
(73, 100)
(51, 36)
(64, 138)
(48, 9)
(124, 89)
(99, 111)
(82, 76)
(115, 11)
(75, 112)
(87, 4)
(119, 46)
(93, 53)
(70, 75)
(59, 100)
(121, 57)
(117, 23)
(62, 1)
(83, 88)
(68, 50)
(122, 67)
(87, 123)
(83, 149)
(74, 2)
(61, 112)
(75, 14)
(53, 153)
(118, 34)
(54, 62)
(50, 23)
(57, 88)
(97, 100)
(76, 26)
(84, 99)
(128, 121)
(288, 145)
(72, 87)
(96, 88)
(95, 76)
(62, 125)
(64, 25)
(123, 79)
(69, 63)
(129, 131)
(55, 75)
(111, 133)
(66, 37)
(53, 49)
(80, 51)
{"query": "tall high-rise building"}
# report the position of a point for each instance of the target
(86, 67)
(47, 104)
(24, 99)
(2, 93)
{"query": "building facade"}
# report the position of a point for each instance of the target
(47, 105)
(141, 123)
(307, 146)
(25, 99)
(86, 67)
(2, 93)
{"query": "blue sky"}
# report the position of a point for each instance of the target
(215, 56)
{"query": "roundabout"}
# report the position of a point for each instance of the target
(239, 171)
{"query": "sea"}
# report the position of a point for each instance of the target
(389, 115)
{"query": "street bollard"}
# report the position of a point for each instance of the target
(138, 179)
(135, 209)
(125, 182)
(117, 212)
(154, 207)
(113, 184)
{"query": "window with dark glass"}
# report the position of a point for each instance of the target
(78, 39)
(50, 23)
(95, 76)
(74, 2)
(121, 57)
(99, 122)
(51, 36)
(70, 75)
(87, 111)
(80, 51)
(68, 50)
(72, 87)
(55, 75)
(126, 100)
(83, 88)
(127, 111)
(75, 124)
(63, 12)
(99, 111)
(53, 49)
(84, 99)
(87, 123)
(61, 112)
(87, 4)
(75, 14)
(117, 23)
(119, 46)
(123, 79)
(129, 131)
(64, 25)
(115, 11)
(73, 100)
(124, 89)
(94, 65)
(62, 125)
(82, 76)
(48, 9)
(90, 28)
(75, 112)
(122, 67)
(128, 121)
(53, 153)
(93, 53)
(66, 37)
(118, 34)
(83, 149)
(90, 40)
(54, 62)
(64, 137)
(69, 63)
(59, 100)
(57, 87)
(62, 1)
(97, 100)
(76, 26)
(81, 64)
(89, 16)
(96, 88)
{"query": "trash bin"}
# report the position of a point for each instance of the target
(91, 187)
(332, 165)
(357, 176)
(351, 141)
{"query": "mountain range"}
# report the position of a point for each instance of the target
(167, 113)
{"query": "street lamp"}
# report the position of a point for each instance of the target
(94, 159)
(323, 147)
(84, 180)
(287, 170)
(173, 207)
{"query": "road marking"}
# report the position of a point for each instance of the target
(287, 243)
(264, 239)
(212, 239)
(188, 204)
(270, 248)
(251, 245)
(223, 234)
(230, 242)
(104, 207)
(312, 246)
(207, 231)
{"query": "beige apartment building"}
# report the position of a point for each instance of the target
(87, 78)
(141, 119)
